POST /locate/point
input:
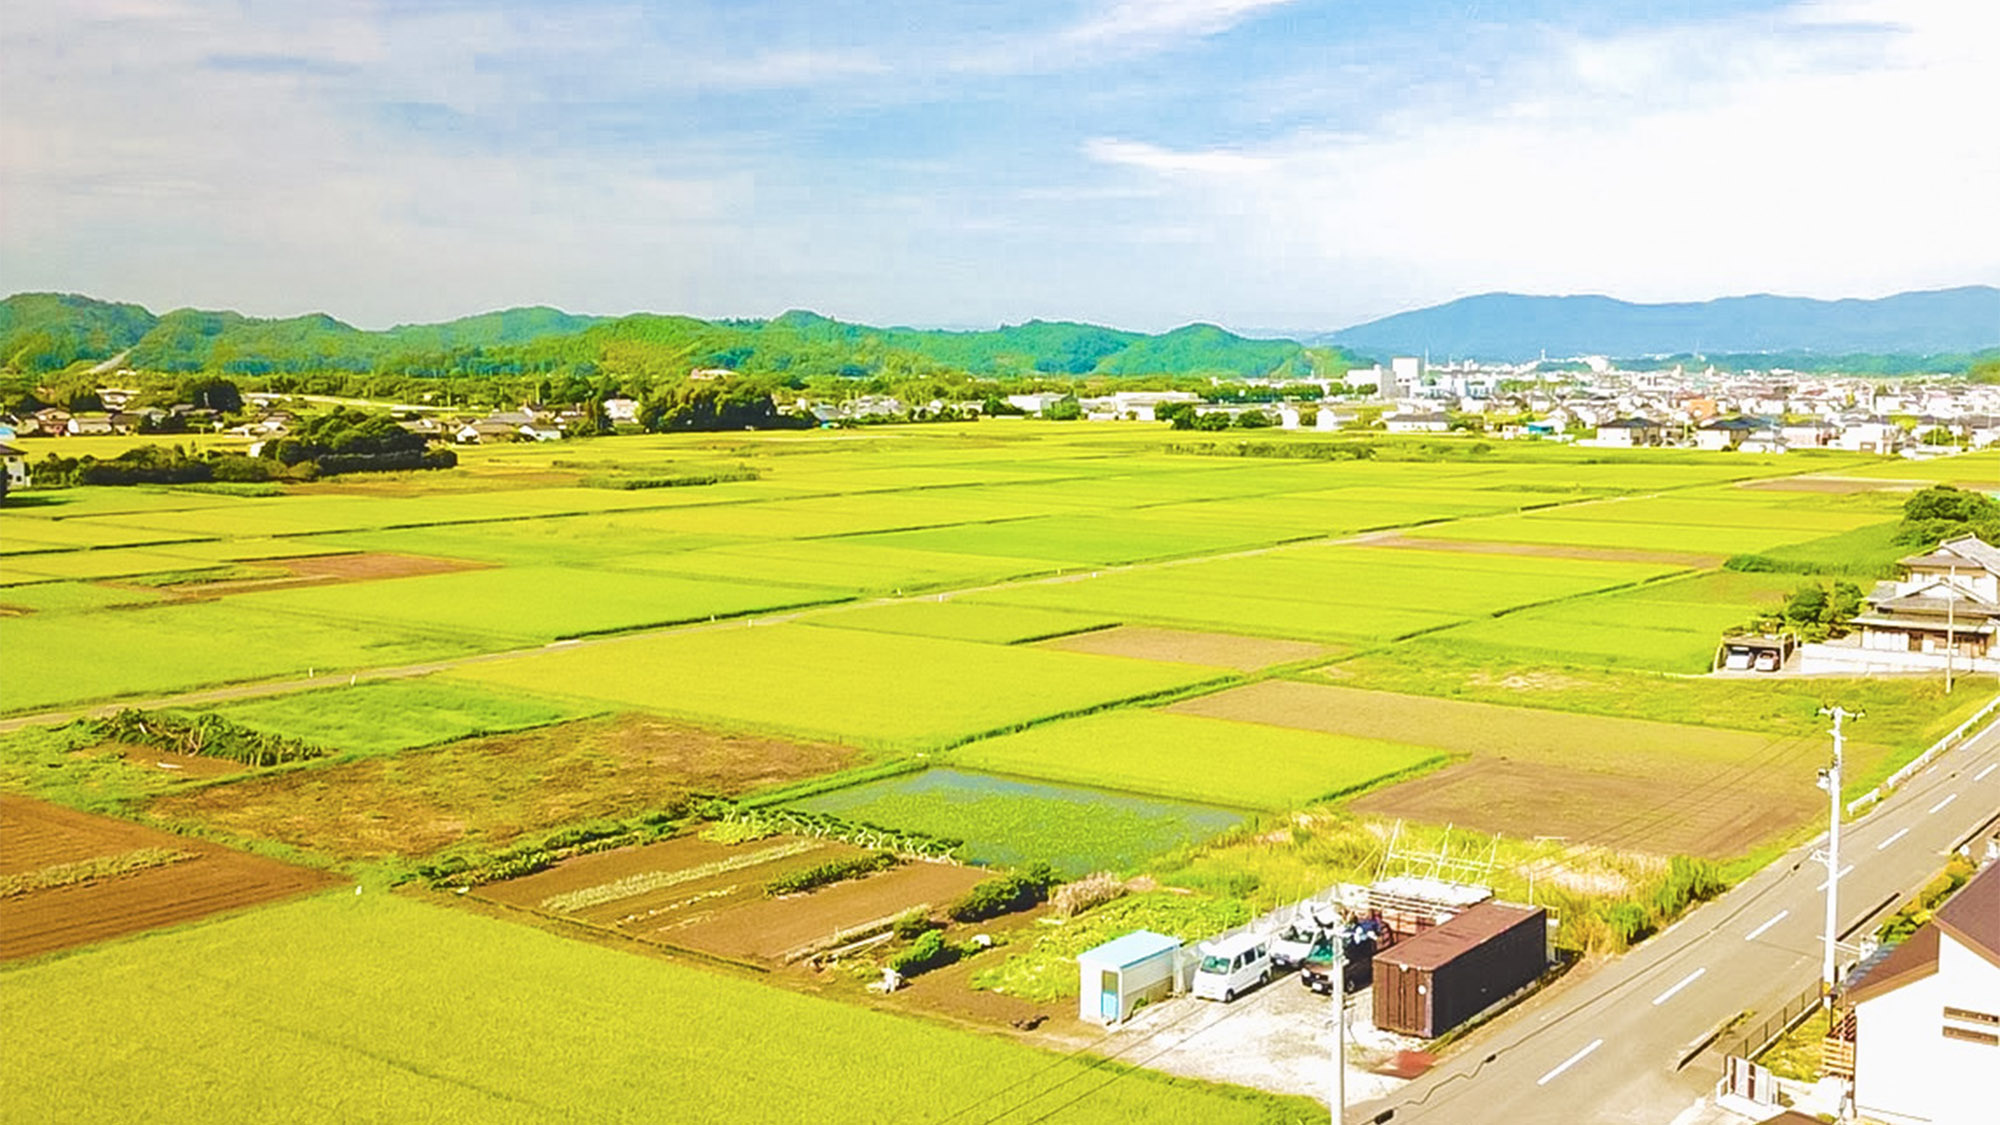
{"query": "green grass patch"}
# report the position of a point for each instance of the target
(374, 1007)
(1046, 969)
(383, 716)
(73, 597)
(1014, 823)
(1865, 552)
(71, 765)
(1247, 765)
(175, 647)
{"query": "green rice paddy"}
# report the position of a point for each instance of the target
(1011, 822)
(1243, 764)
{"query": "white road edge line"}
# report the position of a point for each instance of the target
(1900, 833)
(1943, 803)
(1981, 775)
(1753, 935)
(1569, 1062)
(1685, 981)
(1842, 875)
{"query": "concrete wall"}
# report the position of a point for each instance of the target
(1855, 660)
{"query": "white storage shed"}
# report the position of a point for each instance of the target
(1119, 974)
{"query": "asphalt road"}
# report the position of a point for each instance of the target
(1608, 1047)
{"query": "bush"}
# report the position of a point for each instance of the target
(912, 925)
(832, 871)
(928, 952)
(208, 735)
(1005, 894)
(1072, 899)
(736, 832)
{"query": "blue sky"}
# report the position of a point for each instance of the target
(1287, 164)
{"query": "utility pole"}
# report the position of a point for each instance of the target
(1339, 980)
(1950, 625)
(1830, 780)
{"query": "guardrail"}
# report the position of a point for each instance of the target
(1957, 735)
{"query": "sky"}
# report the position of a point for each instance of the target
(1297, 165)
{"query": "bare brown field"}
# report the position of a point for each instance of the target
(1177, 646)
(178, 765)
(35, 836)
(1620, 782)
(320, 570)
(770, 928)
(714, 907)
(1552, 551)
(1527, 799)
(689, 897)
(370, 566)
(493, 790)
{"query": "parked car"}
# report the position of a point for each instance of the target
(1767, 661)
(1359, 943)
(1293, 942)
(1231, 967)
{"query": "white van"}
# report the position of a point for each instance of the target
(1232, 966)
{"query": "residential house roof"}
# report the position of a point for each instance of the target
(1971, 917)
(1912, 961)
(1958, 552)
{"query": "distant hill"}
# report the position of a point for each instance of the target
(47, 332)
(1510, 327)
(50, 331)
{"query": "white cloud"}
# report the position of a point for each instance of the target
(1841, 150)
(1148, 21)
(1172, 163)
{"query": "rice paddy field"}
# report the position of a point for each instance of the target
(1011, 822)
(1099, 647)
(372, 1007)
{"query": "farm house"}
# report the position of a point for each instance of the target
(1122, 973)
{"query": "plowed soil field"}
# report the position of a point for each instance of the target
(38, 839)
(1526, 799)
(694, 894)
(770, 929)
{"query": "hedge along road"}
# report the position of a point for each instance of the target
(263, 688)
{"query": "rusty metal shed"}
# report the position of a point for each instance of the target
(1439, 979)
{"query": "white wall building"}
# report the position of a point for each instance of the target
(1926, 1018)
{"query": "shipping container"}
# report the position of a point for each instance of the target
(1446, 975)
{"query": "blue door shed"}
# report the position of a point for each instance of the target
(1116, 976)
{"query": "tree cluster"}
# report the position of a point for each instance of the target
(1942, 512)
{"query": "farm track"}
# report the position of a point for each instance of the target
(1386, 536)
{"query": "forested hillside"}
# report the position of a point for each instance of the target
(42, 332)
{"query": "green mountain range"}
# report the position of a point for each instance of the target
(47, 332)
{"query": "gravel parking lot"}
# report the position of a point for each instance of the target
(1278, 1038)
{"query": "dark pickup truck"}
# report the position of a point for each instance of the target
(1359, 943)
